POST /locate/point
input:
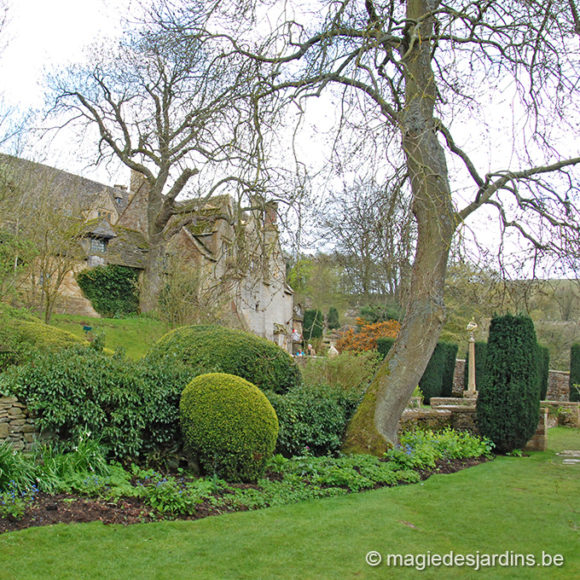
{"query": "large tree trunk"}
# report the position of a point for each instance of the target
(152, 279)
(375, 425)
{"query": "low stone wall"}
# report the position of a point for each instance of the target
(558, 383)
(460, 414)
(562, 413)
(16, 424)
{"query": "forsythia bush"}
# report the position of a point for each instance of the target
(366, 337)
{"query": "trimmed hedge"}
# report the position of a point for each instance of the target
(431, 383)
(313, 418)
(133, 408)
(543, 362)
(508, 404)
(450, 353)
(574, 371)
(229, 424)
(209, 348)
(112, 289)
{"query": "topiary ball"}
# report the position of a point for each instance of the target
(220, 349)
(229, 424)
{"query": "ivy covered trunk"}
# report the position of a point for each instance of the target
(374, 426)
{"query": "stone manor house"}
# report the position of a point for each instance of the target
(240, 255)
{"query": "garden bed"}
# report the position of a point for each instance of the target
(49, 509)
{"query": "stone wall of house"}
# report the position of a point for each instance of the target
(16, 424)
(558, 383)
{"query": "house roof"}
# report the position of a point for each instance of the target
(36, 179)
(127, 248)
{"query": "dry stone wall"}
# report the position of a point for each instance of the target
(16, 424)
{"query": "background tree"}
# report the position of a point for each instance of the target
(420, 71)
(181, 113)
(373, 233)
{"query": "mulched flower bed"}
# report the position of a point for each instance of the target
(68, 509)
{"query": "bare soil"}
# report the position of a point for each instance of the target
(69, 509)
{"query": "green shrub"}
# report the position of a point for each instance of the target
(332, 320)
(229, 424)
(133, 407)
(347, 371)
(431, 383)
(384, 345)
(313, 417)
(508, 404)
(480, 357)
(23, 334)
(574, 371)
(112, 289)
(219, 349)
(16, 471)
(312, 325)
(450, 353)
(543, 361)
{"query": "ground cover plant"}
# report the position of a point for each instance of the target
(57, 475)
(486, 509)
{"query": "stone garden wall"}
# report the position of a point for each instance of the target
(558, 383)
(16, 424)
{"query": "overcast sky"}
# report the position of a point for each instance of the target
(46, 33)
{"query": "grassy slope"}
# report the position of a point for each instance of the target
(525, 505)
(135, 335)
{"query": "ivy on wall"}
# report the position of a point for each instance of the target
(112, 289)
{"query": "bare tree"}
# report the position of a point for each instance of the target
(372, 230)
(182, 113)
(424, 70)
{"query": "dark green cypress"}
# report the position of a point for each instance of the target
(543, 361)
(575, 372)
(431, 383)
(508, 405)
(332, 320)
(450, 349)
(313, 324)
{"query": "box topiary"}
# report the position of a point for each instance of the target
(543, 362)
(229, 424)
(220, 349)
(508, 404)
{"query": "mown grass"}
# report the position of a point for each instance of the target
(518, 505)
(135, 335)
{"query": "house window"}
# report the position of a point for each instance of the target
(98, 246)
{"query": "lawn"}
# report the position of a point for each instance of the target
(509, 506)
(135, 335)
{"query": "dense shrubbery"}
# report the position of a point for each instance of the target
(575, 372)
(22, 335)
(220, 349)
(508, 404)
(313, 417)
(347, 371)
(111, 289)
(431, 383)
(229, 425)
(133, 407)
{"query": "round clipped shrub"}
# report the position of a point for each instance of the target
(220, 349)
(508, 405)
(229, 424)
